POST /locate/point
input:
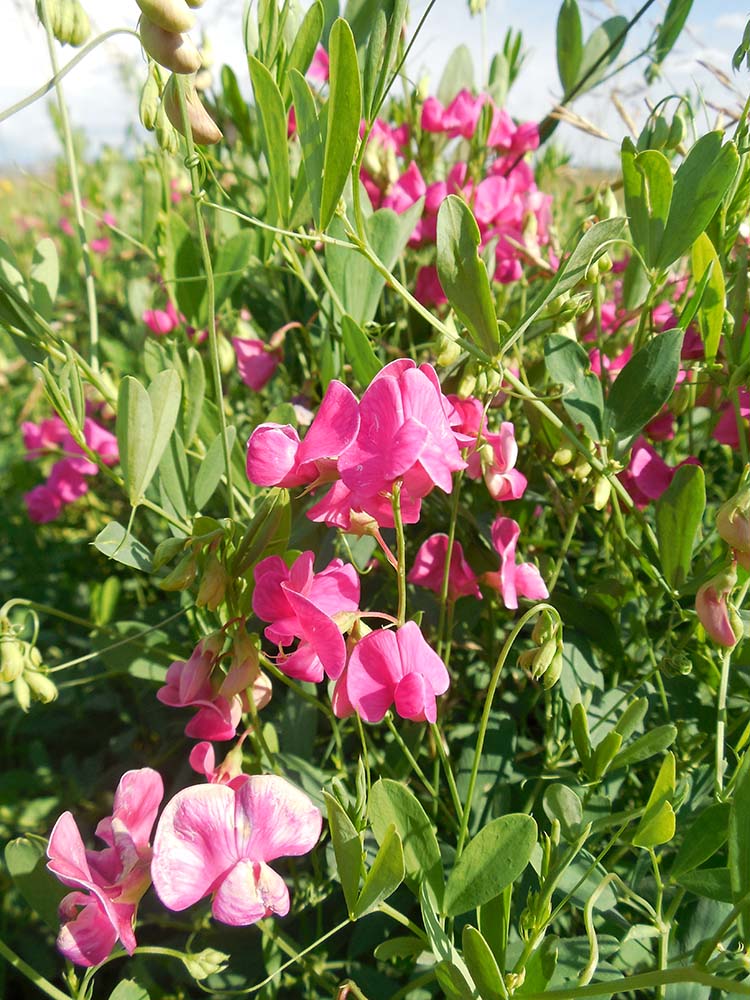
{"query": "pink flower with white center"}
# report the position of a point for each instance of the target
(429, 568)
(277, 457)
(162, 321)
(404, 435)
(256, 362)
(301, 604)
(214, 840)
(393, 667)
(513, 579)
(109, 883)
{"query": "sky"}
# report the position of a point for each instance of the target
(102, 90)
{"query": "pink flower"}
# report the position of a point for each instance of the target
(203, 760)
(403, 435)
(513, 579)
(256, 363)
(429, 568)
(43, 436)
(162, 321)
(319, 67)
(214, 840)
(648, 475)
(43, 504)
(277, 457)
(712, 609)
(725, 430)
(398, 668)
(101, 244)
(67, 227)
(301, 604)
(108, 883)
(67, 481)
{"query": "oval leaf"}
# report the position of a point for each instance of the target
(344, 114)
(391, 803)
(385, 876)
(645, 384)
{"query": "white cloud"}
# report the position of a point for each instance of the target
(732, 22)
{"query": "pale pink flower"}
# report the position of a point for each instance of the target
(712, 608)
(256, 362)
(513, 579)
(393, 667)
(203, 760)
(101, 244)
(429, 568)
(319, 67)
(215, 840)
(108, 883)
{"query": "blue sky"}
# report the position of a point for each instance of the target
(102, 90)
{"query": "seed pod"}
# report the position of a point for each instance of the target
(68, 21)
(676, 131)
(182, 575)
(659, 133)
(172, 15)
(148, 108)
(169, 48)
(204, 128)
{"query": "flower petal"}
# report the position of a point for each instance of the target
(250, 892)
(281, 819)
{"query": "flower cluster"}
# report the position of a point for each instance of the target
(68, 479)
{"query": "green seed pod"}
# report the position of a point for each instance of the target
(659, 132)
(166, 135)
(169, 48)
(676, 131)
(41, 686)
(172, 15)
(182, 575)
(68, 21)
(148, 108)
(644, 139)
(204, 128)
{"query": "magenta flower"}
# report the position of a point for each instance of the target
(398, 668)
(404, 435)
(648, 475)
(256, 363)
(203, 760)
(43, 504)
(44, 436)
(429, 568)
(301, 604)
(214, 840)
(109, 883)
(162, 321)
(277, 457)
(513, 579)
(319, 67)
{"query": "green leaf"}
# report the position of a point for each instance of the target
(712, 883)
(653, 742)
(647, 180)
(482, 965)
(668, 33)
(657, 825)
(703, 257)
(373, 63)
(212, 468)
(184, 269)
(579, 728)
(116, 543)
(562, 803)
(26, 861)
(135, 428)
(236, 105)
(385, 876)
(739, 841)
(700, 184)
(632, 717)
(194, 395)
(401, 946)
(151, 200)
(493, 859)
(679, 512)
(393, 804)
(273, 128)
(129, 989)
(704, 837)
(463, 275)
(311, 139)
(569, 44)
(344, 114)
(392, 40)
(174, 478)
(44, 277)
(359, 352)
(304, 45)
(165, 393)
(458, 75)
(452, 982)
(603, 755)
(231, 260)
(347, 847)
(611, 32)
(645, 384)
(568, 364)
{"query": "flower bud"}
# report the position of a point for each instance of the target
(12, 658)
(676, 131)
(172, 15)
(168, 48)
(659, 133)
(41, 686)
(713, 611)
(213, 584)
(581, 470)
(601, 493)
(733, 521)
(148, 109)
(605, 203)
(449, 351)
(204, 128)
(182, 575)
(22, 693)
(563, 456)
(467, 384)
(166, 136)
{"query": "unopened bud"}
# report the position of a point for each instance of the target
(148, 109)
(467, 384)
(166, 135)
(213, 584)
(42, 688)
(68, 21)
(12, 658)
(733, 521)
(204, 129)
(172, 15)
(563, 456)
(169, 48)
(182, 575)
(605, 203)
(227, 357)
(581, 470)
(449, 351)
(601, 493)
(166, 551)
(713, 610)
(22, 693)
(676, 131)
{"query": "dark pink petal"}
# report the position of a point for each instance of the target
(215, 720)
(194, 845)
(320, 632)
(87, 935)
(248, 893)
(335, 425)
(414, 699)
(136, 804)
(272, 456)
(373, 672)
(273, 819)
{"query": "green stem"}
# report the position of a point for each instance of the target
(36, 978)
(128, 640)
(438, 737)
(721, 723)
(396, 915)
(448, 559)
(192, 162)
(400, 553)
(70, 157)
(645, 981)
(507, 646)
(409, 756)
